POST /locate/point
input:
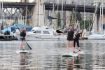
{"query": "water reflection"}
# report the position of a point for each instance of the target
(24, 61)
(73, 63)
(70, 64)
(78, 63)
(47, 55)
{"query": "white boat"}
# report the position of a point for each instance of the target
(96, 36)
(44, 33)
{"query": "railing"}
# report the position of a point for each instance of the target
(77, 2)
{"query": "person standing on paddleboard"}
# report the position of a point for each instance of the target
(23, 34)
(70, 35)
(22, 37)
(77, 35)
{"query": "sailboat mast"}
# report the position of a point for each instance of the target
(2, 11)
(26, 15)
(102, 16)
(84, 14)
(62, 23)
(2, 15)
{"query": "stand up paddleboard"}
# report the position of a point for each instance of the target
(80, 52)
(71, 54)
(22, 51)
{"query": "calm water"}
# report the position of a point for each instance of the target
(47, 55)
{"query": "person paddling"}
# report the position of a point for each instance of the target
(77, 35)
(23, 34)
(70, 39)
(22, 38)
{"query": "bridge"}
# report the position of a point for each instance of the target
(12, 9)
(51, 6)
(71, 7)
(27, 8)
(17, 5)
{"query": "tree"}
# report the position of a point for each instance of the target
(74, 17)
(78, 16)
(58, 19)
(88, 24)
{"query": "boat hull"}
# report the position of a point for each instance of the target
(46, 37)
(97, 37)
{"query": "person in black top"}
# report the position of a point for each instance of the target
(23, 35)
(76, 39)
(70, 34)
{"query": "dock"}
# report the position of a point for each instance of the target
(7, 37)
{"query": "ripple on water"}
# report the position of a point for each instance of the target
(47, 55)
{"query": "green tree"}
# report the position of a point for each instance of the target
(74, 17)
(87, 23)
(58, 19)
(78, 16)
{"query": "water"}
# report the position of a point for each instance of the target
(47, 55)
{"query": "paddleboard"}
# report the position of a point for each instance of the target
(80, 52)
(22, 51)
(71, 54)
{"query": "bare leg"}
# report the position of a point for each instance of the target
(73, 47)
(70, 46)
(22, 45)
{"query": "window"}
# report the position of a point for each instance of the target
(37, 31)
(46, 32)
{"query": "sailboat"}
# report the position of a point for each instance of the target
(45, 32)
(99, 34)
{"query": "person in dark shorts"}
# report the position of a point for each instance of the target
(23, 35)
(70, 39)
(70, 35)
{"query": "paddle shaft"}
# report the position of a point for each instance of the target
(28, 45)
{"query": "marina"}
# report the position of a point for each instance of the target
(52, 35)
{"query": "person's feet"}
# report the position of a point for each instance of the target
(74, 51)
(79, 49)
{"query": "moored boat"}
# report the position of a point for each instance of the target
(44, 33)
(97, 36)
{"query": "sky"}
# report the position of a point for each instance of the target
(14, 0)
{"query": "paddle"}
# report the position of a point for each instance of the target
(25, 40)
(28, 46)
